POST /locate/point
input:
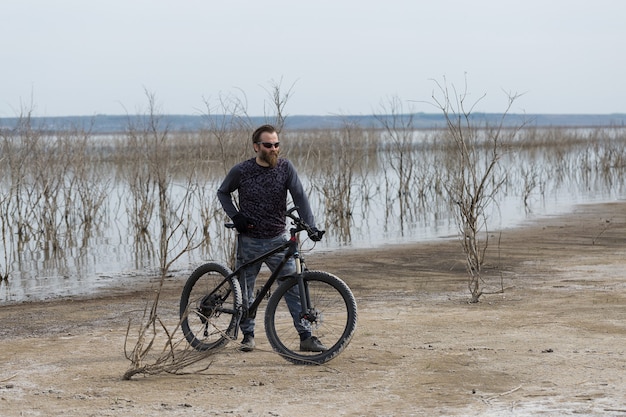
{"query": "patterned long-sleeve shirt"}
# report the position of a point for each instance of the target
(262, 195)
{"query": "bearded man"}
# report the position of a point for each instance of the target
(262, 184)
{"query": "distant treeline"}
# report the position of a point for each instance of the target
(120, 123)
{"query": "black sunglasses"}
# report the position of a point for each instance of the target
(270, 145)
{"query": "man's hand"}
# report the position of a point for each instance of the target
(242, 224)
(315, 235)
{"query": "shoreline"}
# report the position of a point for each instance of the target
(141, 282)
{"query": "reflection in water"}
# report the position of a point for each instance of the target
(359, 192)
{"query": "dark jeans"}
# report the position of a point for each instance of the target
(249, 248)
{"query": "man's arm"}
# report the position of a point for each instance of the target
(300, 199)
(224, 192)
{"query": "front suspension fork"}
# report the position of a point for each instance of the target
(303, 290)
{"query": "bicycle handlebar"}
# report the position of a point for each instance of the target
(300, 224)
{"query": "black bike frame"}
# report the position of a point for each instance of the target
(292, 252)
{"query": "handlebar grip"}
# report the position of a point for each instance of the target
(315, 235)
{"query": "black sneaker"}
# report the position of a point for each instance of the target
(312, 344)
(247, 344)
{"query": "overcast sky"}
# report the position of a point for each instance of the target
(87, 57)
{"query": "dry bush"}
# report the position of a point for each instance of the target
(52, 191)
(474, 178)
(151, 183)
(399, 143)
(409, 175)
(338, 173)
(175, 356)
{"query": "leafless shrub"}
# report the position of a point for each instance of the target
(174, 357)
(338, 174)
(400, 154)
(42, 172)
(20, 146)
(275, 109)
(398, 141)
(175, 236)
(7, 254)
(83, 185)
(228, 125)
(530, 178)
(474, 179)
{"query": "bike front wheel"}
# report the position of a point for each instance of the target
(332, 317)
(210, 307)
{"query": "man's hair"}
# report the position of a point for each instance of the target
(256, 136)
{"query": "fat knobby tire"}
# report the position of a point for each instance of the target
(337, 312)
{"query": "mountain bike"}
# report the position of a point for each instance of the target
(211, 305)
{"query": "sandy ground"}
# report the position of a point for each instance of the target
(553, 343)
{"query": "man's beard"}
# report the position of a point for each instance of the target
(271, 158)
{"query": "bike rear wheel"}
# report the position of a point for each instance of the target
(210, 307)
(333, 318)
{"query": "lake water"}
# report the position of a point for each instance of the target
(113, 256)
